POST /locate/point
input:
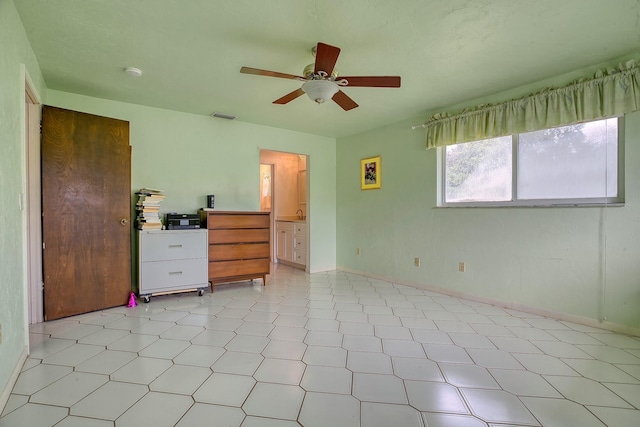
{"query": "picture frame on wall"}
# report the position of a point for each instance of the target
(370, 173)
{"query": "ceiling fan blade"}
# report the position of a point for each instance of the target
(326, 57)
(344, 101)
(289, 97)
(372, 81)
(248, 70)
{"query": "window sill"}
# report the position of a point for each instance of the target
(559, 205)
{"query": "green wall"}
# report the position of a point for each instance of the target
(573, 262)
(16, 56)
(190, 156)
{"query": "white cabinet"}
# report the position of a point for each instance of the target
(284, 241)
(291, 243)
(172, 261)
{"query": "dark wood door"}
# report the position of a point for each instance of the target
(86, 210)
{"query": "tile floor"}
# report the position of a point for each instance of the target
(328, 349)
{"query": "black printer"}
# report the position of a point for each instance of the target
(176, 221)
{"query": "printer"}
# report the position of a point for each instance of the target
(176, 221)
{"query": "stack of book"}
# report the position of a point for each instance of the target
(148, 209)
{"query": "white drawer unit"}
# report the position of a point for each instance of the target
(300, 243)
(172, 261)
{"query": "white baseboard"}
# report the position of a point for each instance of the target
(4, 397)
(586, 321)
(322, 269)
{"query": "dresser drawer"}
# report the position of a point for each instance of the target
(224, 269)
(299, 229)
(243, 235)
(158, 276)
(300, 256)
(172, 245)
(299, 243)
(241, 251)
(237, 221)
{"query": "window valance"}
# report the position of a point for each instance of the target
(609, 93)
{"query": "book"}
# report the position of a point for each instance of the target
(150, 226)
(148, 209)
(148, 190)
(149, 220)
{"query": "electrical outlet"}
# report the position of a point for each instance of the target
(461, 267)
(416, 262)
(357, 251)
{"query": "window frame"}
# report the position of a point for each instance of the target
(618, 200)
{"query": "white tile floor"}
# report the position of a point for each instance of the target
(329, 349)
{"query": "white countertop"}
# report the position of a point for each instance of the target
(292, 218)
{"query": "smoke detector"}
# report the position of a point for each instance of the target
(133, 71)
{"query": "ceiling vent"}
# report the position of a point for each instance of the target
(224, 116)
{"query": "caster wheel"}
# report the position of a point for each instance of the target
(146, 299)
(200, 292)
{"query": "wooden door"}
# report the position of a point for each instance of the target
(86, 210)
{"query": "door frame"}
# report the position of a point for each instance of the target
(30, 201)
(274, 213)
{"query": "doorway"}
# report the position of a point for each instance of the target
(288, 198)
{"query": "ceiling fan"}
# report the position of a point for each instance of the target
(321, 81)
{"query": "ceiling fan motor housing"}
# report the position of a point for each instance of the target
(309, 73)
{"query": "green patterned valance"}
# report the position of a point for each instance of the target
(609, 93)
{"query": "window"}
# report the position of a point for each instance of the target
(579, 164)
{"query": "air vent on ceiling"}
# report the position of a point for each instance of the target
(224, 116)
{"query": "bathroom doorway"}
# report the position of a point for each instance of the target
(283, 188)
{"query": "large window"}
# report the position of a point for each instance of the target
(579, 164)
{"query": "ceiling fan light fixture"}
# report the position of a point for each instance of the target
(320, 90)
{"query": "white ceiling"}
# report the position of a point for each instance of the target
(191, 51)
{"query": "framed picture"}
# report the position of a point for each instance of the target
(370, 173)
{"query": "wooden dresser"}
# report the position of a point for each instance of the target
(239, 245)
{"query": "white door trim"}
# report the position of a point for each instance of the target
(31, 202)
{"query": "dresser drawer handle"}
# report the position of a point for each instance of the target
(175, 272)
(175, 246)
